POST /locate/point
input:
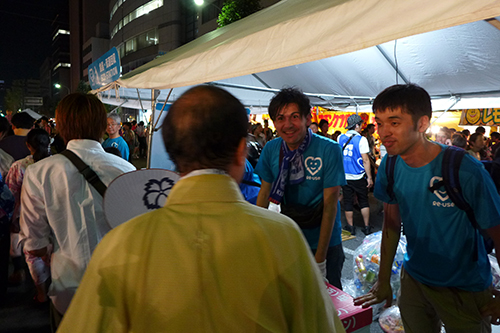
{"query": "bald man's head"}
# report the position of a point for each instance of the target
(203, 129)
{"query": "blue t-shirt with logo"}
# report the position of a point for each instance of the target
(323, 166)
(119, 143)
(440, 237)
(353, 161)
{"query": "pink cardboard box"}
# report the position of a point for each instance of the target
(354, 318)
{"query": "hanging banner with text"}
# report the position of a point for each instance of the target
(337, 120)
(105, 70)
(480, 117)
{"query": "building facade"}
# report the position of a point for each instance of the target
(88, 19)
(142, 30)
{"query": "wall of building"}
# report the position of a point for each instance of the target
(92, 50)
(60, 61)
(143, 29)
(87, 19)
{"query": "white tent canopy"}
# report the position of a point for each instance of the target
(341, 52)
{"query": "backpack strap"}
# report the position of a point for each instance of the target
(86, 171)
(350, 138)
(389, 173)
(452, 159)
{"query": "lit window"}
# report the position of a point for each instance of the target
(142, 10)
(130, 46)
(115, 8)
(62, 64)
(60, 32)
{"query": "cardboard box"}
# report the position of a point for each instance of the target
(355, 318)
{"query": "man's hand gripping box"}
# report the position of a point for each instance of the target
(354, 318)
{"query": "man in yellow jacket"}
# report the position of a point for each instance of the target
(208, 261)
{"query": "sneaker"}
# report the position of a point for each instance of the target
(367, 230)
(351, 229)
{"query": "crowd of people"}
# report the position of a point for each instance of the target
(428, 289)
(32, 231)
(477, 144)
(128, 138)
(214, 258)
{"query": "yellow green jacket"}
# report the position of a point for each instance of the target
(206, 262)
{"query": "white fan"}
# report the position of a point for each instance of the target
(137, 192)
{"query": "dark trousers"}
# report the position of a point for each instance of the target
(143, 146)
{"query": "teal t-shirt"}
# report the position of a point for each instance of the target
(324, 168)
(440, 237)
(119, 143)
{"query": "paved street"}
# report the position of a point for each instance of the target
(352, 244)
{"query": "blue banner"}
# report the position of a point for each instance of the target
(104, 70)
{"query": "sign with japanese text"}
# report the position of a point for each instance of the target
(337, 120)
(480, 117)
(105, 70)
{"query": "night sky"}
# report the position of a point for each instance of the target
(26, 36)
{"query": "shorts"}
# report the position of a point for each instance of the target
(358, 187)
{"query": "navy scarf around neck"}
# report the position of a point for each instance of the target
(291, 168)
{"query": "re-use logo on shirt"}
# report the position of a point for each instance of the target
(440, 194)
(313, 166)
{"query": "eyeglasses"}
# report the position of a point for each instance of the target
(112, 125)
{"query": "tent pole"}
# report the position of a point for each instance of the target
(261, 81)
(140, 100)
(272, 90)
(126, 100)
(393, 65)
(457, 99)
(150, 126)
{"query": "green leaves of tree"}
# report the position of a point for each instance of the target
(234, 10)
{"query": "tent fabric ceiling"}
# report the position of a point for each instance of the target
(294, 32)
(456, 60)
(453, 61)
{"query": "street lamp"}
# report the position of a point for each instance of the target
(59, 86)
(200, 3)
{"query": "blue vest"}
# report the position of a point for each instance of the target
(353, 162)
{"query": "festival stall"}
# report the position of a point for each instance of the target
(340, 53)
(337, 120)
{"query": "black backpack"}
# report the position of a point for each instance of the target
(452, 157)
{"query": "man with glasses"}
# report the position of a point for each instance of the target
(115, 139)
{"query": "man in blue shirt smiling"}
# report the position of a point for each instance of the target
(442, 280)
(115, 140)
(303, 172)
